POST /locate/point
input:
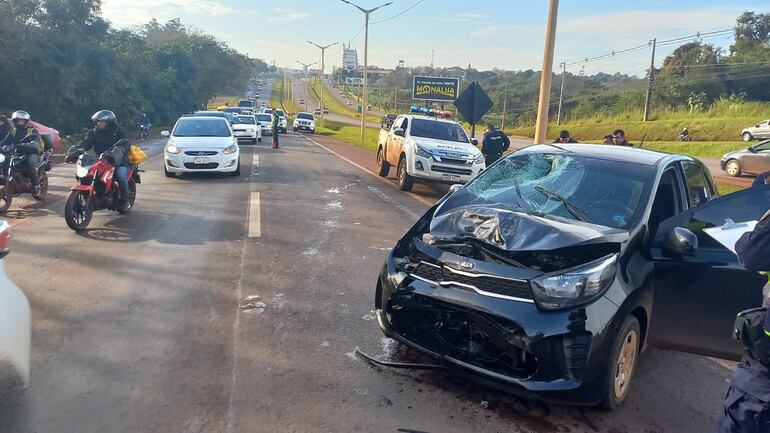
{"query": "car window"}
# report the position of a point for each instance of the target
(438, 130)
(667, 201)
(246, 120)
(699, 188)
(263, 117)
(306, 116)
(763, 146)
(280, 113)
(196, 127)
(405, 124)
(604, 192)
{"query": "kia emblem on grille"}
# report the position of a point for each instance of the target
(467, 265)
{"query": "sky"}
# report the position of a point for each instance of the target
(487, 34)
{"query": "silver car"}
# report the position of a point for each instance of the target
(759, 131)
(753, 160)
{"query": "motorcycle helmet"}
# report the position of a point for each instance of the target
(21, 118)
(104, 115)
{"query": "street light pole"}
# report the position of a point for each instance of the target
(561, 92)
(541, 125)
(323, 72)
(366, 60)
(306, 66)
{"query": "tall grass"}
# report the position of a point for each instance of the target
(350, 134)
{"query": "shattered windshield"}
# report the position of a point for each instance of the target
(594, 190)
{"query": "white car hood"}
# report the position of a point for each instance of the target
(447, 148)
(14, 328)
(185, 143)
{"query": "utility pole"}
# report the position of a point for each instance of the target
(366, 60)
(505, 103)
(541, 125)
(323, 72)
(395, 100)
(648, 98)
(561, 92)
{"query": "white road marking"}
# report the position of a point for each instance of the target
(255, 160)
(255, 225)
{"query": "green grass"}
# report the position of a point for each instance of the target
(725, 188)
(231, 101)
(335, 106)
(695, 149)
(350, 134)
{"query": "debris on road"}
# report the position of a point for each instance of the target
(252, 298)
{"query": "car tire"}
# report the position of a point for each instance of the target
(405, 181)
(623, 362)
(237, 171)
(312, 131)
(733, 168)
(168, 173)
(746, 136)
(382, 165)
(259, 140)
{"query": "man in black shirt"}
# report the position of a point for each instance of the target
(565, 138)
(619, 138)
(495, 143)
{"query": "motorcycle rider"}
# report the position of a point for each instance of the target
(684, 135)
(106, 134)
(495, 143)
(32, 145)
(144, 122)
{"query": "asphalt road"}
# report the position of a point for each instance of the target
(311, 102)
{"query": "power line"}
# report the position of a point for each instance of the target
(400, 13)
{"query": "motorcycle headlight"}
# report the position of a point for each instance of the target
(420, 151)
(171, 148)
(81, 171)
(575, 286)
(229, 150)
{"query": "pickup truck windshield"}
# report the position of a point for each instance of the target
(438, 130)
(305, 116)
(598, 191)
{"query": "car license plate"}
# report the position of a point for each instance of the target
(450, 177)
(200, 161)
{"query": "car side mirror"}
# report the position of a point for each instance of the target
(679, 242)
(165, 134)
(474, 142)
(454, 188)
(399, 131)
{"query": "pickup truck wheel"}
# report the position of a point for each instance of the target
(405, 182)
(746, 136)
(384, 166)
(733, 167)
(625, 353)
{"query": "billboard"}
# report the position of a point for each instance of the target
(435, 88)
(354, 81)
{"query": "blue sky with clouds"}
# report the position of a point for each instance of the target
(486, 33)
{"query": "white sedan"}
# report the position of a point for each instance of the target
(201, 144)
(265, 123)
(14, 326)
(246, 128)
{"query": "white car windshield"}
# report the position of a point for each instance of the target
(306, 116)
(192, 127)
(438, 130)
(246, 120)
(280, 113)
(263, 117)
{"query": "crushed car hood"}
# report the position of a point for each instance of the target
(517, 231)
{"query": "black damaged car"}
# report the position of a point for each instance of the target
(548, 273)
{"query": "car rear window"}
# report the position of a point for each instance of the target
(197, 127)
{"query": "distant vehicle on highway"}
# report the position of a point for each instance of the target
(387, 120)
(15, 327)
(549, 272)
(317, 111)
(759, 131)
(304, 122)
(349, 103)
(265, 123)
(428, 149)
(233, 110)
(753, 160)
(301, 101)
(201, 144)
(246, 103)
(246, 128)
(283, 123)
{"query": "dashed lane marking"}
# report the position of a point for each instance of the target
(255, 224)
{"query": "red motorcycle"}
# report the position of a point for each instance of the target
(96, 189)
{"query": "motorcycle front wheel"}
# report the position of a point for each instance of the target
(6, 196)
(78, 210)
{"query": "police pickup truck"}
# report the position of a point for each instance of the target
(427, 149)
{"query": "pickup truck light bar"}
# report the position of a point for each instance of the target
(431, 112)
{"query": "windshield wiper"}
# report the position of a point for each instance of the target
(571, 207)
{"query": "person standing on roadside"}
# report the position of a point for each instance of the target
(564, 137)
(747, 404)
(495, 143)
(608, 140)
(276, 121)
(5, 126)
(619, 138)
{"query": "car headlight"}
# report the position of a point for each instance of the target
(171, 148)
(2, 158)
(420, 151)
(229, 150)
(574, 286)
(479, 159)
